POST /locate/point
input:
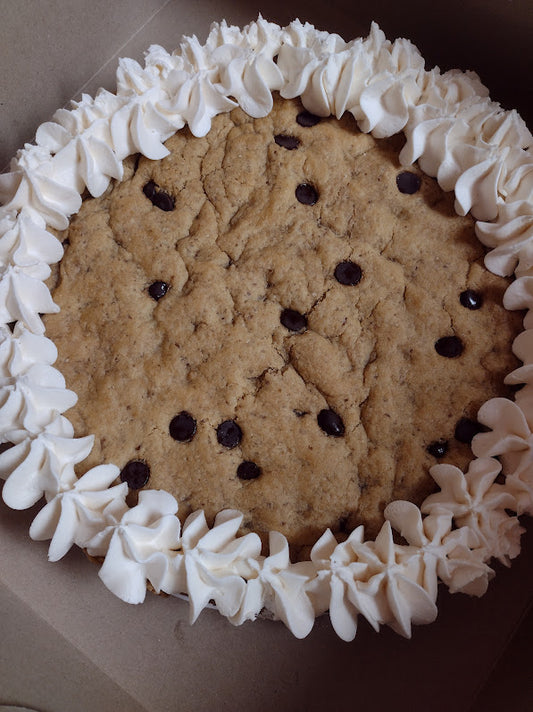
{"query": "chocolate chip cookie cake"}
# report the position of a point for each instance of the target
(280, 341)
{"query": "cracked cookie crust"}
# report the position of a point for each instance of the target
(288, 278)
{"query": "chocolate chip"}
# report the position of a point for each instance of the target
(306, 194)
(293, 320)
(288, 142)
(344, 525)
(182, 427)
(307, 119)
(135, 473)
(471, 299)
(408, 182)
(150, 189)
(158, 197)
(330, 422)
(438, 449)
(248, 470)
(163, 201)
(229, 434)
(157, 290)
(449, 346)
(466, 428)
(348, 273)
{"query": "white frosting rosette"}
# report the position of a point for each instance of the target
(458, 135)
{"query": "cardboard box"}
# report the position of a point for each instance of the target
(66, 643)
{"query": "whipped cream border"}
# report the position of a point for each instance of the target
(457, 135)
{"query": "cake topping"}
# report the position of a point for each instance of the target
(182, 427)
(307, 119)
(135, 473)
(438, 449)
(331, 422)
(157, 290)
(248, 470)
(229, 434)
(306, 194)
(293, 320)
(466, 429)
(449, 346)
(408, 182)
(471, 299)
(150, 189)
(158, 197)
(288, 142)
(348, 273)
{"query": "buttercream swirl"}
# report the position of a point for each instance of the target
(373, 79)
(81, 141)
(195, 93)
(27, 245)
(510, 439)
(34, 183)
(458, 135)
(246, 65)
(369, 578)
(76, 512)
(281, 586)
(478, 503)
(136, 542)
(212, 564)
(20, 349)
(41, 463)
(30, 401)
(511, 237)
(24, 298)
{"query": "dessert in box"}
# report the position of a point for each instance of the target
(274, 308)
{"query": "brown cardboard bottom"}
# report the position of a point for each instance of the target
(69, 644)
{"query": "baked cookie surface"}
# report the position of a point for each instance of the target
(288, 281)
